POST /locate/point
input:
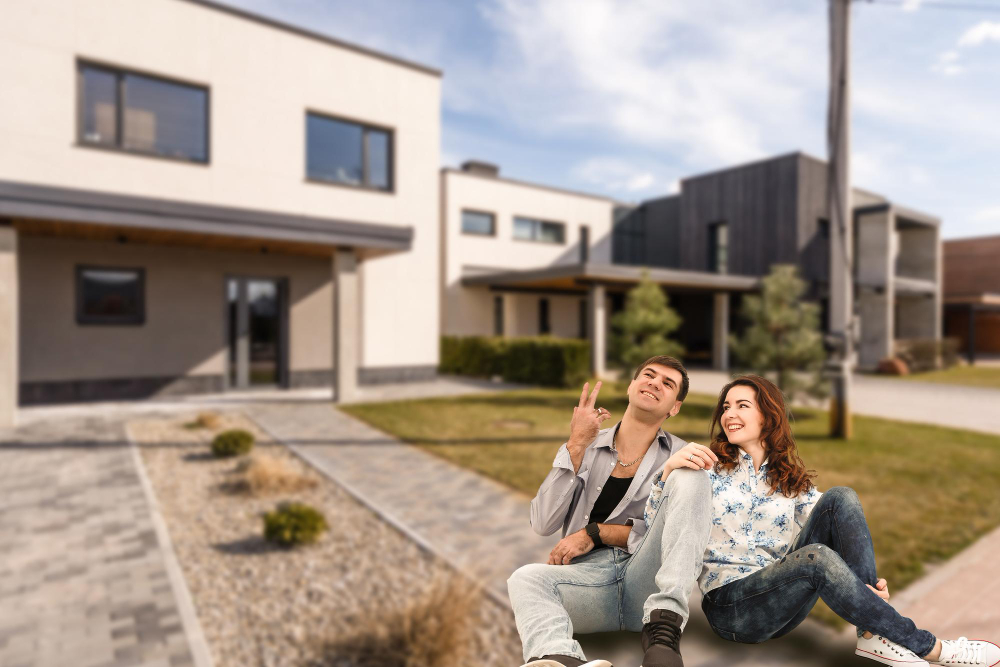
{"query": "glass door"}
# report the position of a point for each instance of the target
(256, 332)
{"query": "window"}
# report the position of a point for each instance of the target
(106, 295)
(543, 316)
(347, 153)
(718, 247)
(584, 244)
(498, 316)
(529, 229)
(823, 228)
(583, 319)
(477, 222)
(142, 114)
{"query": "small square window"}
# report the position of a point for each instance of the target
(110, 295)
(478, 222)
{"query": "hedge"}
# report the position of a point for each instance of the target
(927, 354)
(542, 360)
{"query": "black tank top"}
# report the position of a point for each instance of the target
(612, 494)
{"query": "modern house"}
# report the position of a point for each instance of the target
(707, 246)
(193, 198)
(972, 294)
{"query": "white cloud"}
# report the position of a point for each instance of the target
(985, 31)
(614, 174)
(948, 64)
(911, 5)
(988, 214)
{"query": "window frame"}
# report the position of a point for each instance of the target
(541, 221)
(544, 316)
(461, 222)
(365, 127)
(92, 320)
(714, 266)
(119, 73)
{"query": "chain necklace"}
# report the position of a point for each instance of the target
(624, 465)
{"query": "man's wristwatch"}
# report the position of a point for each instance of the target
(594, 532)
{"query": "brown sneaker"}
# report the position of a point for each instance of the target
(661, 640)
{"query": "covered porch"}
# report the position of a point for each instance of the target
(703, 299)
(218, 298)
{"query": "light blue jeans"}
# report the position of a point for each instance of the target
(608, 589)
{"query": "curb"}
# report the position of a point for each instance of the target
(185, 604)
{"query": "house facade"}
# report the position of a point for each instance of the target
(972, 294)
(193, 198)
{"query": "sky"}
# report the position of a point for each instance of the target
(626, 97)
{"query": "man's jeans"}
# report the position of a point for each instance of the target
(832, 558)
(607, 589)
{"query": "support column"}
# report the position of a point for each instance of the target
(972, 335)
(720, 332)
(598, 330)
(510, 321)
(9, 378)
(346, 325)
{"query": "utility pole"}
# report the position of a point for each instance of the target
(839, 206)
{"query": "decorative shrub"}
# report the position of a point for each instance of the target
(927, 354)
(263, 474)
(292, 524)
(542, 360)
(234, 442)
(949, 351)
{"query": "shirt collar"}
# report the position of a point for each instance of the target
(606, 437)
(748, 460)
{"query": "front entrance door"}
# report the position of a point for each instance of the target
(257, 332)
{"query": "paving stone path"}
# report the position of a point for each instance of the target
(482, 528)
(84, 579)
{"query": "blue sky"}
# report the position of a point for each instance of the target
(624, 98)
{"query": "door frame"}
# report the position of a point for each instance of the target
(283, 330)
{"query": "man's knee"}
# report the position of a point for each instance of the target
(686, 481)
(528, 577)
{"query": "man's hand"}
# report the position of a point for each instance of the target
(692, 455)
(570, 547)
(585, 424)
(881, 589)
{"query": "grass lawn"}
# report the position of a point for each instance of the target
(927, 491)
(970, 376)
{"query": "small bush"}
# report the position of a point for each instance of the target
(264, 474)
(551, 362)
(292, 524)
(208, 420)
(435, 629)
(234, 442)
(927, 354)
(949, 351)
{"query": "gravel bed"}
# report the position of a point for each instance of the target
(260, 605)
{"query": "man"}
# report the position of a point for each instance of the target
(609, 572)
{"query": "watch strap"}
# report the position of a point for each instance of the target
(594, 532)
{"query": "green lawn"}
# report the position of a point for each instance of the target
(971, 376)
(927, 491)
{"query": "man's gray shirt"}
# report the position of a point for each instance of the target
(565, 498)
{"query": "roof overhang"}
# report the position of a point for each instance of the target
(914, 286)
(68, 207)
(986, 299)
(581, 276)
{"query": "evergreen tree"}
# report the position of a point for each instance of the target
(645, 324)
(783, 340)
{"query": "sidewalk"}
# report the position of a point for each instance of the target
(85, 577)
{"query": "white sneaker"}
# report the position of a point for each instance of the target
(554, 663)
(962, 651)
(882, 650)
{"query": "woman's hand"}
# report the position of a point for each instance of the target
(881, 589)
(692, 455)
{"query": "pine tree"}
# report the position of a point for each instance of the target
(783, 339)
(645, 324)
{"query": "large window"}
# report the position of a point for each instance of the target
(478, 222)
(106, 295)
(718, 247)
(530, 229)
(498, 316)
(544, 326)
(348, 153)
(142, 114)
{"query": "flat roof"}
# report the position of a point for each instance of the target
(580, 276)
(537, 186)
(43, 202)
(310, 34)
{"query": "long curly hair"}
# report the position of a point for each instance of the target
(786, 471)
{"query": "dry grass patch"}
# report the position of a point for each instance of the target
(209, 420)
(265, 474)
(434, 629)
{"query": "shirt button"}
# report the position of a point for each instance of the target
(586, 516)
(598, 488)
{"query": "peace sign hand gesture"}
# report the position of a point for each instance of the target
(586, 421)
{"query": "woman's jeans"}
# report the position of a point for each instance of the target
(609, 590)
(832, 558)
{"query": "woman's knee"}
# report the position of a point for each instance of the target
(843, 496)
(827, 566)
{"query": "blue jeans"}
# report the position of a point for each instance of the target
(609, 589)
(832, 558)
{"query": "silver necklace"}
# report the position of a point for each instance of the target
(615, 450)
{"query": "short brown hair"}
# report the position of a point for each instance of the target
(669, 362)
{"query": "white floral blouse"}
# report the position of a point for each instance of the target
(750, 528)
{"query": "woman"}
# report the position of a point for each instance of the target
(778, 544)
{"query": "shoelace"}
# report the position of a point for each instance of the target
(896, 648)
(664, 633)
(966, 651)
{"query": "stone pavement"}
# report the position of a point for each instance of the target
(482, 528)
(85, 578)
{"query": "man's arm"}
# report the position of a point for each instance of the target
(579, 543)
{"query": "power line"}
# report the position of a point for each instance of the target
(931, 4)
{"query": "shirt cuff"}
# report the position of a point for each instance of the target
(563, 459)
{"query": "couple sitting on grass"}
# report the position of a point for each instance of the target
(644, 514)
